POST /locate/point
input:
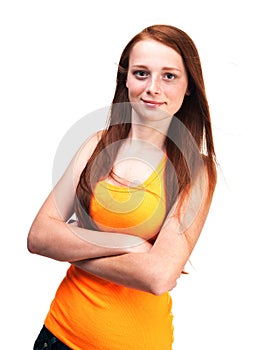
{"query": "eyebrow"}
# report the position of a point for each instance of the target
(140, 66)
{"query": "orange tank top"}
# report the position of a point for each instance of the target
(89, 313)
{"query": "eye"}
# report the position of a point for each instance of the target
(141, 74)
(169, 76)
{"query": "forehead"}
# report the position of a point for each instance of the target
(150, 52)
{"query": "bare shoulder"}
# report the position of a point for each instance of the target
(84, 153)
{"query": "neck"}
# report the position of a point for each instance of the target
(150, 131)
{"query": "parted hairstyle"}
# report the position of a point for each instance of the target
(183, 155)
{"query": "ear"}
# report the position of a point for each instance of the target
(126, 84)
(188, 92)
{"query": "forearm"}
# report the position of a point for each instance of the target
(133, 270)
(63, 242)
(154, 270)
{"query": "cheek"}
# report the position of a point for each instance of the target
(175, 100)
(135, 87)
(176, 95)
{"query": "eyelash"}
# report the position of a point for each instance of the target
(138, 73)
(173, 75)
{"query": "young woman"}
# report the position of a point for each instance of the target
(141, 190)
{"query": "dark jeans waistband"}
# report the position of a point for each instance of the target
(48, 341)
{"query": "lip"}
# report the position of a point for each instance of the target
(152, 104)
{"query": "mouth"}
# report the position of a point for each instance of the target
(152, 104)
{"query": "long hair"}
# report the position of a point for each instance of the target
(193, 116)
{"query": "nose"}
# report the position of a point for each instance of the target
(153, 85)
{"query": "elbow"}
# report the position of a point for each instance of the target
(34, 243)
(159, 289)
(31, 244)
(162, 283)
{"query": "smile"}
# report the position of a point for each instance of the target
(152, 104)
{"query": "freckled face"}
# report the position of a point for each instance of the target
(156, 80)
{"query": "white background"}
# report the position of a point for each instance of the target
(58, 63)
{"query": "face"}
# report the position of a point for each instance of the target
(156, 80)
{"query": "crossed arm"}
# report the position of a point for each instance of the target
(140, 265)
(157, 269)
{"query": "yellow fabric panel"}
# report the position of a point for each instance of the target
(137, 210)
